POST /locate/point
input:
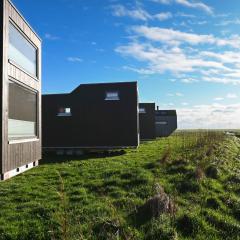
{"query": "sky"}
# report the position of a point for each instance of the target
(185, 54)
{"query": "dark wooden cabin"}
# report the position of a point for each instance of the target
(147, 121)
(20, 62)
(93, 116)
(166, 122)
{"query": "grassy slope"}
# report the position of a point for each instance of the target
(97, 197)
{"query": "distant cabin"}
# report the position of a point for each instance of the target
(165, 122)
(20, 60)
(147, 121)
(92, 116)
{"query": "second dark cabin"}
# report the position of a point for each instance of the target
(147, 121)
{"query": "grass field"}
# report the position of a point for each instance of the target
(106, 196)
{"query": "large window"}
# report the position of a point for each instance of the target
(21, 51)
(22, 117)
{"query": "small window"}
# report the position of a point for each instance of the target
(64, 112)
(112, 96)
(163, 113)
(142, 110)
(21, 51)
(162, 123)
(22, 117)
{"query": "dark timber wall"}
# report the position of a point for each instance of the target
(16, 154)
(147, 121)
(94, 122)
(166, 122)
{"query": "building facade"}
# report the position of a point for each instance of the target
(20, 62)
(166, 122)
(93, 116)
(147, 121)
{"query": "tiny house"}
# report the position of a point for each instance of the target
(147, 121)
(20, 110)
(166, 122)
(92, 116)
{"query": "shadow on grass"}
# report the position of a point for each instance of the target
(49, 158)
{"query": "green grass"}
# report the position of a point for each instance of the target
(97, 196)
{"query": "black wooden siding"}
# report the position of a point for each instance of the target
(147, 121)
(95, 122)
(168, 116)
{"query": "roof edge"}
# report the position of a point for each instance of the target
(24, 19)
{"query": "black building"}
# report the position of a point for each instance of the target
(20, 84)
(93, 116)
(147, 121)
(166, 122)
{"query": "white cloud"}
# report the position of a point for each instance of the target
(218, 116)
(139, 13)
(166, 50)
(229, 22)
(184, 103)
(51, 37)
(176, 37)
(221, 80)
(74, 59)
(143, 71)
(160, 60)
(163, 16)
(177, 94)
(189, 80)
(231, 95)
(226, 57)
(198, 5)
(182, 14)
(162, 1)
(188, 3)
(218, 99)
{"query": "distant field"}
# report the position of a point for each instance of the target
(103, 197)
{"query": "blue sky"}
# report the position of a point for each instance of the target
(185, 54)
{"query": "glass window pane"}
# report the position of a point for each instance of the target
(21, 129)
(162, 123)
(21, 51)
(22, 116)
(64, 112)
(112, 96)
(142, 110)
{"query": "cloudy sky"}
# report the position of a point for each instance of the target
(185, 54)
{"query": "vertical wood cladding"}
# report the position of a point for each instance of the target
(94, 122)
(19, 153)
(2, 74)
(147, 121)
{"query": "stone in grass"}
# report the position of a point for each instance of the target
(213, 203)
(212, 172)
(188, 225)
(159, 204)
(199, 173)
